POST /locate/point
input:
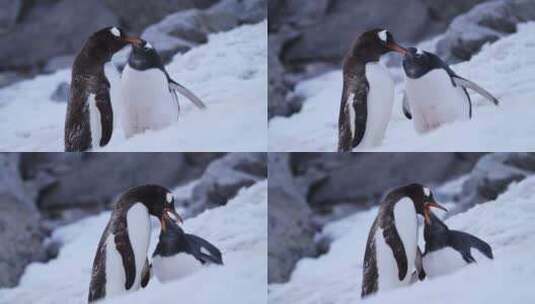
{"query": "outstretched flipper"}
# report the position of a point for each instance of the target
(203, 250)
(406, 106)
(465, 83)
(472, 242)
(174, 86)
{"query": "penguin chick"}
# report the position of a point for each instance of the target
(179, 254)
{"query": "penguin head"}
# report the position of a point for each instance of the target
(417, 63)
(144, 57)
(159, 201)
(371, 45)
(423, 200)
(107, 41)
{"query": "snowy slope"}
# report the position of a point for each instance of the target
(506, 68)
(229, 73)
(507, 224)
(237, 229)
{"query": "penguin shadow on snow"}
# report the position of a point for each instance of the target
(392, 251)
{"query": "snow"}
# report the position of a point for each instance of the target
(506, 68)
(229, 73)
(238, 229)
(507, 224)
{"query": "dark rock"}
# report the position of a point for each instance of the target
(9, 12)
(223, 179)
(332, 178)
(136, 15)
(20, 233)
(51, 29)
(61, 93)
(90, 182)
(486, 22)
(9, 78)
(290, 229)
(492, 175)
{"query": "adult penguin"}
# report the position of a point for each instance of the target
(449, 250)
(149, 94)
(179, 254)
(391, 249)
(435, 94)
(120, 263)
(368, 91)
(89, 121)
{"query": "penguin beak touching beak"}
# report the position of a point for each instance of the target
(169, 214)
(427, 210)
(396, 47)
(134, 41)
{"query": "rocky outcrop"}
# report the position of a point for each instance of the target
(323, 30)
(290, 229)
(485, 23)
(492, 175)
(223, 179)
(21, 235)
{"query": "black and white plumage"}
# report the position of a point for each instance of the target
(391, 253)
(435, 94)
(179, 254)
(449, 250)
(149, 94)
(120, 263)
(89, 120)
(368, 91)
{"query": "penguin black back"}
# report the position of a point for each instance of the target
(90, 89)
(437, 236)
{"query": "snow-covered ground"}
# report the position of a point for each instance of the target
(506, 68)
(229, 73)
(238, 229)
(507, 224)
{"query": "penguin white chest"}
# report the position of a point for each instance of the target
(434, 100)
(447, 260)
(379, 104)
(174, 267)
(138, 228)
(95, 124)
(147, 103)
(407, 227)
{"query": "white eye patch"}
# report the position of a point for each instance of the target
(148, 46)
(427, 192)
(115, 32)
(169, 197)
(383, 35)
(419, 52)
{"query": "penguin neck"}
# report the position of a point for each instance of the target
(435, 234)
(171, 241)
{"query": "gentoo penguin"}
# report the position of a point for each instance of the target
(179, 254)
(435, 94)
(149, 98)
(391, 250)
(448, 250)
(368, 91)
(120, 263)
(89, 121)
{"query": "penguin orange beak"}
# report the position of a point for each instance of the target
(171, 215)
(134, 41)
(396, 48)
(427, 210)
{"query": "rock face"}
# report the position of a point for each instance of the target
(323, 34)
(290, 229)
(20, 231)
(486, 22)
(223, 179)
(492, 175)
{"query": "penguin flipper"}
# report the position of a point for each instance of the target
(473, 242)
(175, 86)
(103, 103)
(146, 274)
(393, 240)
(124, 247)
(203, 250)
(465, 83)
(406, 106)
